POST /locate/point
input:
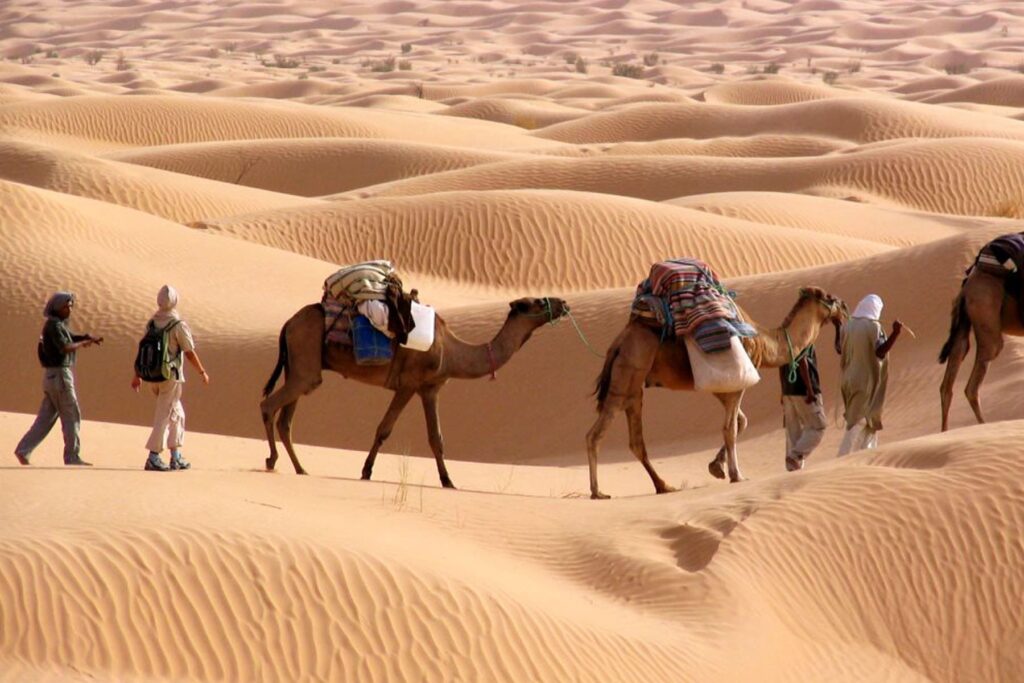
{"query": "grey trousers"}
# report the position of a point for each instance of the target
(59, 400)
(805, 425)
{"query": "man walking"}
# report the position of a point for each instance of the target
(803, 411)
(56, 351)
(865, 367)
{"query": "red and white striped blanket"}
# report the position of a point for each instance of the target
(692, 291)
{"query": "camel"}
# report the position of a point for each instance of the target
(639, 357)
(303, 356)
(983, 304)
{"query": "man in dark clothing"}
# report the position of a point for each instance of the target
(56, 350)
(803, 411)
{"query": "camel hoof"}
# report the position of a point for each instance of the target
(366, 476)
(736, 479)
(715, 468)
(597, 495)
(666, 489)
(447, 483)
(270, 464)
(301, 472)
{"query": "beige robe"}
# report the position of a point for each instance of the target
(864, 375)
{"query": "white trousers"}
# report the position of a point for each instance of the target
(168, 417)
(858, 437)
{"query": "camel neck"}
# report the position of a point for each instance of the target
(773, 350)
(463, 360)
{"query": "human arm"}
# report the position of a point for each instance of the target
(803, 368)
(193, 358)
(884, 348)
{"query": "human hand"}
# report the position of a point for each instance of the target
(896, 327)
(136, 383)
(206, 378)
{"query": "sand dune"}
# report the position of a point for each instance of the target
(242, 152)
(307, 167)
(535, 239)
(168, 195)
(960, 176)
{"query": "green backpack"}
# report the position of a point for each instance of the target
(153, 362)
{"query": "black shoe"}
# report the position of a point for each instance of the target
(78, 462)
(155, 464)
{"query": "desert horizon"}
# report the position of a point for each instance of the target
(496, 151)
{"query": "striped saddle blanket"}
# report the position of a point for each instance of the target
(686, 298)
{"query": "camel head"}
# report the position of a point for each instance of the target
(835, 311)
(546, 310)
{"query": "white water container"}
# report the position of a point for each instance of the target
(422, 336)
(724, 371)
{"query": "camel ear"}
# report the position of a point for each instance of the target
(520, 306)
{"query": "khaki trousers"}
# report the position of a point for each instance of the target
(805, 425)
(168, 417)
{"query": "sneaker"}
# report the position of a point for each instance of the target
(79, 463)
(179, 463)
(155, 464)
(23, 459)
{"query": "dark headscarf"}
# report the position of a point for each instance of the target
(56, 303)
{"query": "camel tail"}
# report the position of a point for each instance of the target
(960, 324)
(282, 363)
(604, 380)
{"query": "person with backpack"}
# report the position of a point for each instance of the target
(158, 363)
(56, 351)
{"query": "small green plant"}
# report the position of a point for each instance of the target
(717, 68)
(406, 48)
(628, 70)
(772, 68)
(93, 57)
(581, 65)
(404, 65)
(830, 77)
(957, 68)
(651, 59)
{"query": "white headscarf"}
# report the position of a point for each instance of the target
(167, 302)
(870, 307)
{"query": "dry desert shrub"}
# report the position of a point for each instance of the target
(717, 68)
(830, 77)
(93, 57)
(628, 70)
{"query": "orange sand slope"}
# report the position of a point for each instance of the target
(396, 580)
(243, 151)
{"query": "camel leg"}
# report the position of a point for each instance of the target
(429, 398)
(990, 343)
(594, 437)
(717, 466)
(289, 394)
(634, 416)
(284, 428)
(398, 403)
(729, 433)
(956, 356)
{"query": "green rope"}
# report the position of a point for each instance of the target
(582, 337)
(794, 361)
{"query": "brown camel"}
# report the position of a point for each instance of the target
(303, 356)
(638, 357)
(984, 305)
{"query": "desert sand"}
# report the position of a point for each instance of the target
(495, 150)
